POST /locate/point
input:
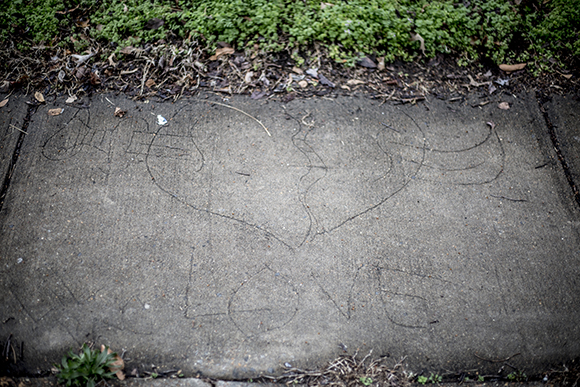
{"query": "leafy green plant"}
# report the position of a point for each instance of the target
(366, 381)
(517, 376)
(432, 378)
(85, 369)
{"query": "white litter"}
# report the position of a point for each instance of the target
(161, 120)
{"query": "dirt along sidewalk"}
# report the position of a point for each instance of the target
(232, 237)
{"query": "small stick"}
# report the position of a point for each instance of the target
(144, 76)
(17, 128)
(243, 112)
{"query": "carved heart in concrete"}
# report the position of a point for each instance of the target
(301, 182)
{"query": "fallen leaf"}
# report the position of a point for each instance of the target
(303, 84)
(39, 97)
(345, 87)
(324, 5)
(154, 23)
(150, 83)
(222, 51)
(312, 72)
(127, 50)
(119, 112)
(248, 77)
(111, 61)
(125, 8)
(325, 81)
(82, 23)
(95, 80)
(258, 94)
(567, 76)
(83, 58)
(510, 68)
(55, 112)
(81, 72)
(117, 366)
(381, 64)
(297, 70)
(503, 105)
(227, 89)
(3, 103)
(354, 82)
(61, 75)
(476, 84)
(366, 62)
(415, 37)
(71, 99)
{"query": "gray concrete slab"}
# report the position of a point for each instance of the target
(12, 116)
(564, 112)
(209, 246)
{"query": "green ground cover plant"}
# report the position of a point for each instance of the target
(86, 368)
(542, 32)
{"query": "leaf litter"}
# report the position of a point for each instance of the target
(169, 70)
(348, 371)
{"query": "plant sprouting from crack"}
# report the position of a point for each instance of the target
(86, 368)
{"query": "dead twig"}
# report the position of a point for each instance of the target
(17, 128)
(243, 112)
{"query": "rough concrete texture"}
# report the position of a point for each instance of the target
(440, 232)
(564, 112)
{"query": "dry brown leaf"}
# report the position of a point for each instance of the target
(381, 64)
(324, 5)
(3, 103)
(127, 50)
(111, 61)
(297, 70)
(303, 84)
(472, 82)
(503, 105)
(150, 82)
(510, 68)
(71, 99)
(39, 97)
(82, 23)
(354, 82)
(222, 51)
(55, 112)
(567, 76)
(117, 366)
(248, 77)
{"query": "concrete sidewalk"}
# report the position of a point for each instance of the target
(441, 232)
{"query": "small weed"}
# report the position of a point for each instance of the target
(480, 378)
(517, 376)
(433, 378)
(366, 381)
(87, 368)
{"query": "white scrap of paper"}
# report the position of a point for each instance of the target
(161, 120)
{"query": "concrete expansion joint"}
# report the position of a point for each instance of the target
(22, 133)
(542, 100)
